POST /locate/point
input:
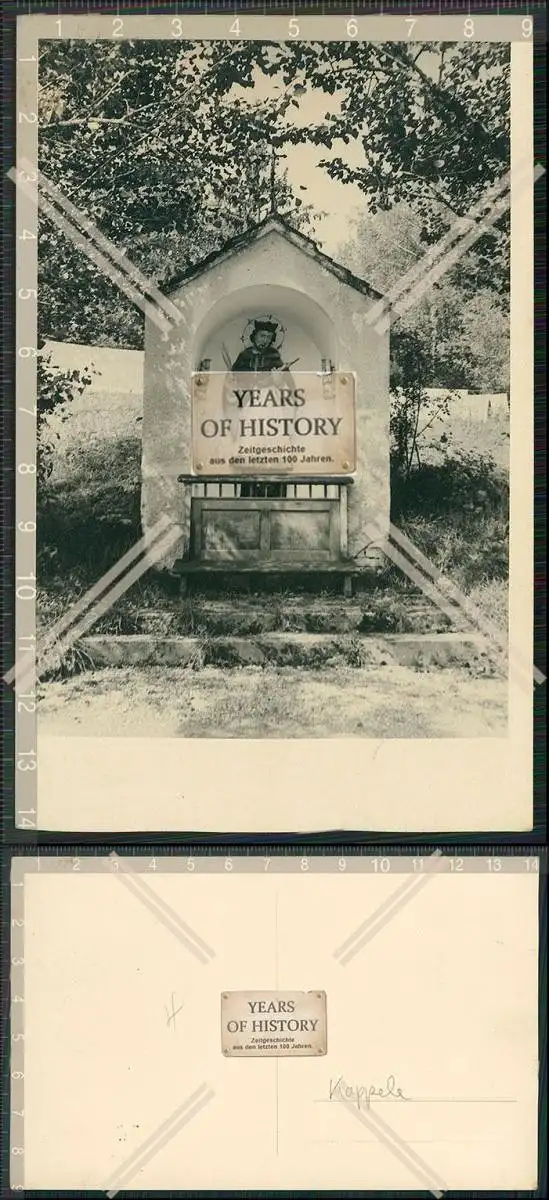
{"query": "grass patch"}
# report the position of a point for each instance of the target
(454, 511)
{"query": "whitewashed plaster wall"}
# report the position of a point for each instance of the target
(271, 274)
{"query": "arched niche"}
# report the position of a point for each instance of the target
(328, 314)
(310, 337)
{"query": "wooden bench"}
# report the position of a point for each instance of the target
(303, 558)
(187, 569)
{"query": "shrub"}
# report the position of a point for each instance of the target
(468, 552)
(460, 485)
(457, 513)
(90, 518)
(55, 391)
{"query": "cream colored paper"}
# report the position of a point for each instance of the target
(122, 1034)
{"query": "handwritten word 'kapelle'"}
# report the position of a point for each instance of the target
(363, 1095)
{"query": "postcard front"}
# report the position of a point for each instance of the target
(275, 477)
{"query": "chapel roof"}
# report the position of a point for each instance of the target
(272, 223)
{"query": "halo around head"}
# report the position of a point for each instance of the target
(264, 321)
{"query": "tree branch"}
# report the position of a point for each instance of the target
(112, 89)
(51, 126)
(235, 47)
(438, 195)
(492, 142)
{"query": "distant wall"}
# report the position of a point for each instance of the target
(118, 370)
(474, 407)
(112, 406)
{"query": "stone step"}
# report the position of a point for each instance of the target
(237, 618)
(289, 649)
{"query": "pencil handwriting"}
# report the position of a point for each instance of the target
(363, 1094)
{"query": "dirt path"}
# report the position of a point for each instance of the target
(379, 702)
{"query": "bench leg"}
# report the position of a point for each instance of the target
(348, 586)
(183, 586)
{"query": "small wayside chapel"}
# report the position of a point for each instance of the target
(266, 413)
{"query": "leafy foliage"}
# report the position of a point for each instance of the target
(142, 138)
(168, 149)
(454, 337)
(461, 324)
(432, 121)
(442, 344)
(91, 518)
(55, 391)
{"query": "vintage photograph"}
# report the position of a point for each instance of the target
(274, 388)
